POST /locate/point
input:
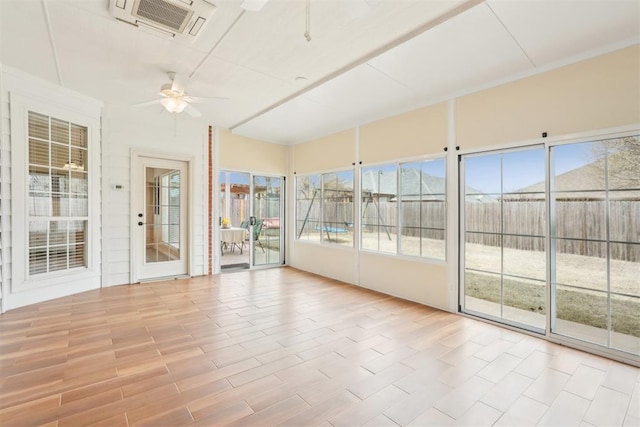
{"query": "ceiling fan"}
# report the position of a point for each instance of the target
(174, 99)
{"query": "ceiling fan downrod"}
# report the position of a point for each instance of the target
(307, 34)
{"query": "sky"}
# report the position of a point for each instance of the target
(522, 168)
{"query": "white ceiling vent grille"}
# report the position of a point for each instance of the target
(163, 13)
(176, 18)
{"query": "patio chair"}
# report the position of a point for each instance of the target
(245, 224)
(257, 229)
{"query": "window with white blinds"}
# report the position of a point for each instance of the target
(58, 208)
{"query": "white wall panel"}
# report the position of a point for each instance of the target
(25, 91)
(127, 129)
(336, 263)
(413, 280)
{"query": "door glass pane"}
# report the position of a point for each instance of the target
(524, 256)
(624, 211)
(525, 214)
(581, 313)
(623, 158)
(579, 167)
(233, 219)
(162, 217)
(525, 301)
(625, 269)
(483, 292)
(483, 213)
(581, 215)
(625, 326)
(483, 175)
(505, 226)
(596, 250)
(581, 263)
(483, 252)
(267, 231)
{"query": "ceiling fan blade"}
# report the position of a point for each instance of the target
(203, 99)
(147, 103)
(177, 84)
(192, 111)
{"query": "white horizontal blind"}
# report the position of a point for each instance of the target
(58, 194)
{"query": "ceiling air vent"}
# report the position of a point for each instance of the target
(175, 18)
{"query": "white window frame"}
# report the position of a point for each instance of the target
(396, 226)
(400, 203)
(21, 105)
(398, 165)
(320, 201)
(322, 206)
(299, 235)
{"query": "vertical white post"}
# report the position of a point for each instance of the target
(453, 197)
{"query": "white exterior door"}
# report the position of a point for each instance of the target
(160, 236)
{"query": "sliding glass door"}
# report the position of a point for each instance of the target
(550, 240)
(251, 220)
(503, 262)
(268, 221)
(595, 242)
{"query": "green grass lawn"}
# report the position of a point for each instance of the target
(588, 308)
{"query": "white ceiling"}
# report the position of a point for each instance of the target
(367, 59)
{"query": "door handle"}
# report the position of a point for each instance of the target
(140, 223)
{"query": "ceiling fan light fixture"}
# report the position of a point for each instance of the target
(173, 105)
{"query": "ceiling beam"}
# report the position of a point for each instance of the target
(363, 59)
(45, 9)
(215, 46)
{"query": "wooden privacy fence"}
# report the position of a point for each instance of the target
(578, 223)
(525, 222)
(240, 209)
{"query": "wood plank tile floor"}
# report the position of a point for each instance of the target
(284, 347)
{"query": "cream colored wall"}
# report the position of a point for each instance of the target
(415, 133)
(335, 151)
(417, 281)
(598, 93)
(240, 153)
(336, 263)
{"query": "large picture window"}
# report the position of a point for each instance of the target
(404, 208)
(423, 208)
(58, 195)
(308, 212)
(324, 208)
(380, 208)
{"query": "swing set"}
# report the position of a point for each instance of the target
(328, 229)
